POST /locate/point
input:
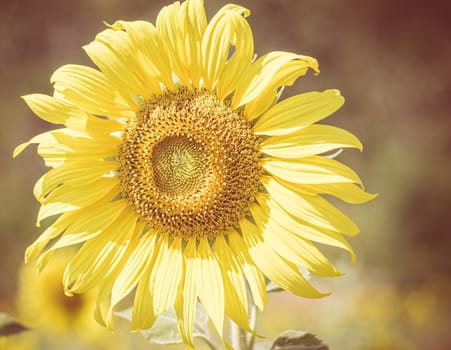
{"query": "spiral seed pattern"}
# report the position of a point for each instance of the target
(189, 164)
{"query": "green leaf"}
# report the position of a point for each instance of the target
(165, 332)
(9, 326)
(298, 340)
(262, 345)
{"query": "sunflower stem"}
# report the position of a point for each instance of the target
(209, 343)
(252, 324)
(242, 340)
(238, 337)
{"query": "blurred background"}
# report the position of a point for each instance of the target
(391, 62)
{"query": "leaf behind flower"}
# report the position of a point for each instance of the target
(9, 326)
(298, 340)
(165, 332)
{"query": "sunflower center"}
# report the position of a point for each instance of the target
(179, 165)
(69, 305)
(72, 304)
(189, 164)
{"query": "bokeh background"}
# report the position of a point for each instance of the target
(390, 59)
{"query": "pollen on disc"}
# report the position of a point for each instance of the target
(180, 165)
(189, 164)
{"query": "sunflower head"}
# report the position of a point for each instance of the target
(181, 177)
(43, 305)
(189, 164)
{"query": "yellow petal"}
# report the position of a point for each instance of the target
(312, 209)
(103, 301)
(253, 110)
(105, 286)
(167, 271)
(276, 268)
(69, 141)
(115, 55)
(253, 275)
(49, 139)
(303, 229)
(155, 61)
(57, 111)
(197, 22)
(143, 315)
(185, 305)
(293, 248)
(210, 286)
(134, 268)
(270, 72)
(311, 170)
(72, 198)
(169, 20)
(92, 91)
(99, 255)
(347, 192)
(182, 27)
(234, 287)
(72, 174)
(58, 146)
(51, 232)
(311, 140)
(126, 274)
(298, 112)
(224, 29)
(242, 41)
(90, 222)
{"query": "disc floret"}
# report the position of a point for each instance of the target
(189, 164)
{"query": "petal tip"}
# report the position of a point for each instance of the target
(18, 150)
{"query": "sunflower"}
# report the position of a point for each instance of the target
(42, 304)
(180, 175)
(18, 342)
(55, 318)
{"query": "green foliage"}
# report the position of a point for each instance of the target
(164, 331)
(298, 340)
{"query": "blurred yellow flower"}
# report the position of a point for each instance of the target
(23, 341)
(181, 173)
(55, 319)
(42, 304)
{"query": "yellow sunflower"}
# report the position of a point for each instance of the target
(55, 318)
(23, 341)
(182, 176)
(42, 304)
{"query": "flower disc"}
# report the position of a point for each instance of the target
(189, 164)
